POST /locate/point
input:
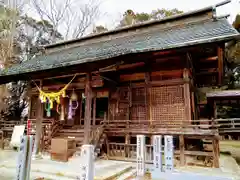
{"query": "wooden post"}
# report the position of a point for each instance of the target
(182, 148)
(108, 147)
(94, 110)
(39, 120)
(30, 102)
(87, 117)
(148, 98)
(127, 142)
(215, 153)
(187, 96)
(220, 65)
(193, 105)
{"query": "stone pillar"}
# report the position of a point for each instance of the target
(87, 163)
(168, 153)
(141, 156)
(157, 156)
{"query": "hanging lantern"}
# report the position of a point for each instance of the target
(74, 96)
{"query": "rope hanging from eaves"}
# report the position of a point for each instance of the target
(50, 97)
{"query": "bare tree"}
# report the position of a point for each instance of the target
(9, 48)
(71, 17)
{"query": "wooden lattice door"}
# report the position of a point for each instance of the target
(167, 104)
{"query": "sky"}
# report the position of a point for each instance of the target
(114, 8)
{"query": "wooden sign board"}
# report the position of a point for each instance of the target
(17, 133)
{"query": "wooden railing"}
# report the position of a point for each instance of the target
(225, 126)
(122, 151)
(7, 127)
(196, 127)
(128, 151)
(49, 126)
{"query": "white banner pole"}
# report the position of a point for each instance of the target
(157, 156)
(141, 156)
(87, 163)
(168, 153)
(21, 164)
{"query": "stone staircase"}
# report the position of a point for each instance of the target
(77, 133)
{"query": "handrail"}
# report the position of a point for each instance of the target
(219, 126)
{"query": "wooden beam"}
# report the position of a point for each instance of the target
(88, 105)
(214, 58)
(220, 65)
(141, 76)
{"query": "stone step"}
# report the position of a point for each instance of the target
(69, 134)
(71, 130)
(77, 139)
(127, 175)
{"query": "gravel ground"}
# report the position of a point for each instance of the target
(68, 171)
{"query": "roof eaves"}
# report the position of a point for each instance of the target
(175, 17)
(144, 24)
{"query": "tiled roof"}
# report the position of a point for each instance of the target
(158, 39)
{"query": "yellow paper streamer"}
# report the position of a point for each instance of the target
(53, 96)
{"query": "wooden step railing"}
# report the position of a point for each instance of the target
(49, 129)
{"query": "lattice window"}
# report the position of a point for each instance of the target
(138, 94)
(168, 104)
(139, 112)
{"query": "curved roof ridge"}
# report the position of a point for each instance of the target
(147, 23)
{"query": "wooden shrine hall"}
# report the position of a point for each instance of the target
(107, 88)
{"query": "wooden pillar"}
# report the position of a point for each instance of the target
(193, 105)
(182, 149)
(88, 105)
(127, 142)
(187, 96)
(148, 98)
(220, 64)
(39, 121)
(30, 104)
(94, 110)
(215, 143)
